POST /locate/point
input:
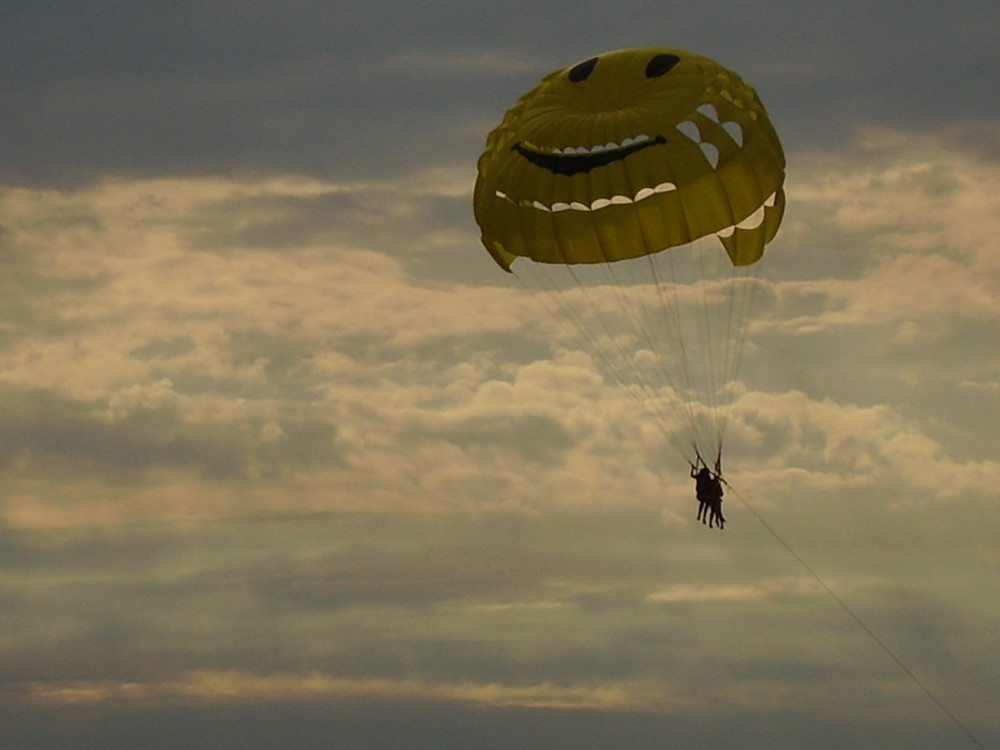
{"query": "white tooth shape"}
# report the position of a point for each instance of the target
(557, 151)
(734, 130)
(599, 204)
(754, 220)
(689, 129)
(643, 194)
(664, 187)
(709, 111)
(598, 148)
(711, 153)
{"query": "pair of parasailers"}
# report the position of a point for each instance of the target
(708, 489)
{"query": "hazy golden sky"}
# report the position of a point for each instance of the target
(287, 461)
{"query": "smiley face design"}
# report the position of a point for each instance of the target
(630, 153)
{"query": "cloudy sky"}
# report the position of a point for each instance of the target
(287, 461)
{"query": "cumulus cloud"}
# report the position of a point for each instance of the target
(250, 366)
(905, 233)
(229, 327)
(845, 445)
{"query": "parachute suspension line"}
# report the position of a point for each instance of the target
(709, 336)
(561, 310)
(858, 621)
(617, 364)
(693, 315)
(732, 330)
(668, 290)
(734, 299)
(678, 327)
(743, 292)
(686, 307)
(673, 364)
(641, 314)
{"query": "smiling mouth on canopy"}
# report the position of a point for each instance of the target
(573, 161)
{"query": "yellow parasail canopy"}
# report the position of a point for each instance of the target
(627, 154)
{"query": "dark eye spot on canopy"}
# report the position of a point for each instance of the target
(581, 71)
(661, 64)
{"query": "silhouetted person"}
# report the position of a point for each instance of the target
(702, 481)
(708, 489)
